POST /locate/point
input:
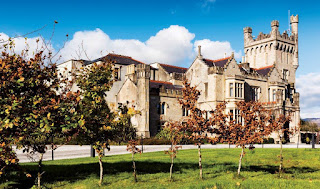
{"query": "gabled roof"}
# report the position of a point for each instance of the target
(167, 85)
(219, 62)
(171, 69)
(117, 59)
(264, 70)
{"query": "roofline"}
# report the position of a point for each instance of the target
(217, 60)
(164, 82)
(262, 68)
(174, 66)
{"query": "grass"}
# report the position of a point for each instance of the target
(302, 170)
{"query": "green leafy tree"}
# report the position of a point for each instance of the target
(31, 110)
(124, 131)
(96, 119)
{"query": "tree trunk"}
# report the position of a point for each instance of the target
(134, 168)
(281, 158)
(240, 160)
(171, 167)
(200, 164)
(101, 170)
(40, 169)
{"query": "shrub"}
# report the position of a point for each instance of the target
(268, 141)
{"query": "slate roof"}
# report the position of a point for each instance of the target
(264, 70)
(219, 62)
(171, 69)
(117, 59)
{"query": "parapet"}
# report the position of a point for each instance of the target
(274, 34)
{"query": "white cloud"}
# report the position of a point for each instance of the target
(309, 89)
(34, 45)
(170, 45)
(173, 45)
(215, 49)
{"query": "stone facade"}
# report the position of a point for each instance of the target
(266, 74)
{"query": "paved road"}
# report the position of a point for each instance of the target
(76, 151)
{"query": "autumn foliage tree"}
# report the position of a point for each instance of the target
(197, 124)
(249, 127)
(132, 147)
(172, 132)
(31, 110)
(96, 119)
(8, 158)
(279, 120)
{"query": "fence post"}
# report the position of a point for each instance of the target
(141, 142)
(313, 142)
(92, 152)
(52, 155)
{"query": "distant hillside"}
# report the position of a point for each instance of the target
(313, 120)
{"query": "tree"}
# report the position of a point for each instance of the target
(123, 128)
(172, 132)
(8, 158)
(96, 119)
(197, 124)
(250, 126)
(132, 147)
(31, 110)
(279, 119)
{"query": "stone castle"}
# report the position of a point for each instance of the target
(265, 74)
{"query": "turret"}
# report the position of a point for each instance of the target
(274, 28)
(247, 33)
(294, 20)
(143, 83)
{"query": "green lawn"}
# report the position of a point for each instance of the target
(302, 170)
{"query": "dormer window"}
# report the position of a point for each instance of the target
(117, 73)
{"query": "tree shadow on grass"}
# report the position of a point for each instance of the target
(272, 169)
(73, 173)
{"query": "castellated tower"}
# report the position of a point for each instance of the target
(280, 50)
(143, 82)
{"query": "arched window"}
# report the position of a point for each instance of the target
(185, 111)
(163, 108)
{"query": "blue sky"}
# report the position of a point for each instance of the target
(139, 20)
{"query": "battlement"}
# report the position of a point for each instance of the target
(143, 71)
(294, 19)
(273, 35)
(273, 47)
